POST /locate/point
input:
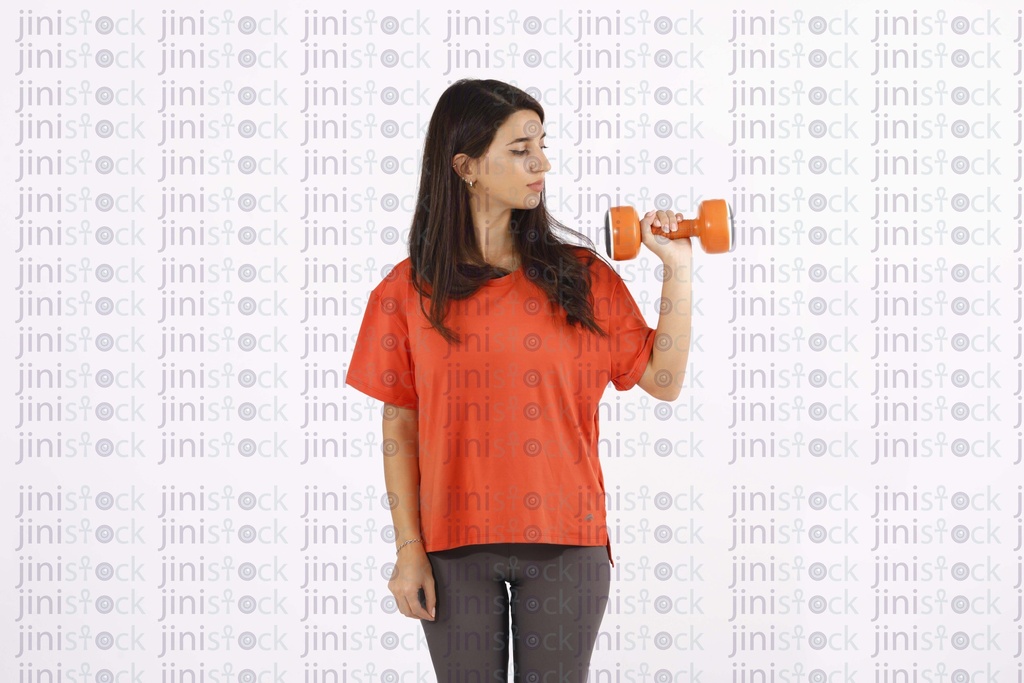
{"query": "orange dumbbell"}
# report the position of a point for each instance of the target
(713, 225)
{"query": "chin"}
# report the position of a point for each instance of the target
(532, 201)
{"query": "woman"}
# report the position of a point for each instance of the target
(491, 345)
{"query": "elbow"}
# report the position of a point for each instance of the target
(665, 395)
(671, 393)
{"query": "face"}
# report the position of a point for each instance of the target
(514, 161)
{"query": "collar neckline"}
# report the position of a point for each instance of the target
(505, 279)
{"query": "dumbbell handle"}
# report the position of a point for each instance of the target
(687, 227)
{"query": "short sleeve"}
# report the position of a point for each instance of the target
(632, 338)
(382, 364)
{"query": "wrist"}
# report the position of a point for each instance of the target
(674, 258)
(411, 541)
(676, 267)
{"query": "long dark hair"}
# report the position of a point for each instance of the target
(443, 248)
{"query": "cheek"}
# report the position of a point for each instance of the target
(510, 172)
(500, 169)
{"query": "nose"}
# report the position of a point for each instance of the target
(539, 164)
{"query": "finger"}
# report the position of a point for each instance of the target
(416, 609)
(645, 226)
(666, 220)
(428, 590)
(407, 608)
(662, 220)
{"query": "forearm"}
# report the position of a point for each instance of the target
(401, 471)
(672, 341)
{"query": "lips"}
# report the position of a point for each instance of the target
(537, 186)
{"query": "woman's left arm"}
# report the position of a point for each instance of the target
(663, 377)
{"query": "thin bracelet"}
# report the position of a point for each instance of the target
(411, 540)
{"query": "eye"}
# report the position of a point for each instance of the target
(521, 152)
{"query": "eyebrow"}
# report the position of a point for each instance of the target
(525, 139)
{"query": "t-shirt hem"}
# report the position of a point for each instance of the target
(640, 365)
(565, 541)
(379, 394)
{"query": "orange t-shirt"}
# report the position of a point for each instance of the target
(508, 427)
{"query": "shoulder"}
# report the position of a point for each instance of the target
(397, 280)
(391, 295)
(602, 275)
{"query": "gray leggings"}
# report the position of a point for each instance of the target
(558, 597)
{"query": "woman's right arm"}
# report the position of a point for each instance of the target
(400, 430)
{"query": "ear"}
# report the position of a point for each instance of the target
(459, 164)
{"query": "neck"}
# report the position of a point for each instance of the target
(493, 234)
(510, 263)
(501, 254)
